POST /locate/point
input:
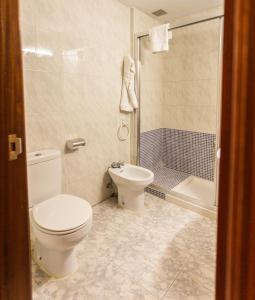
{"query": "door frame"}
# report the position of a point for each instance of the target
(15, 272)
(235, 274)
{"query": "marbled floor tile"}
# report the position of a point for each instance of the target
(203, 272)
(163, 251)
(188, 287)
(39, 277)
(154, 272)
(124, 287)
(105, 282)
(117, 217)
(145, 274)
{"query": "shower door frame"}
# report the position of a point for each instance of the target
(137, 117)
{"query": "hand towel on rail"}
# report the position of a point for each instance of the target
(159, 37)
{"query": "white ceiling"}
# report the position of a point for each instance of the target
(174, 8)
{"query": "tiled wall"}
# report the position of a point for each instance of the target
(191, 78)
(151, 87)
(180, 150)
(152, 72)
(179, 88)
(73, 53)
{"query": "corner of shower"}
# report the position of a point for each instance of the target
(183, 160)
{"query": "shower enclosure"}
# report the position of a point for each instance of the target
(179, 116)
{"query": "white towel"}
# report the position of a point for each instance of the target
(128, 100)
(159, 38)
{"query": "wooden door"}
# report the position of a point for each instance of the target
(15, 278)
(236, 219)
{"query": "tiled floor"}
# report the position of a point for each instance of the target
(164, 252)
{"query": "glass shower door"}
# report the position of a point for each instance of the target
(180, 112)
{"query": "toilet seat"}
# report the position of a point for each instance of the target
(84, 227)
(62, 214)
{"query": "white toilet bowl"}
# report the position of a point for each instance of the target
(59, 224)
(131, 181)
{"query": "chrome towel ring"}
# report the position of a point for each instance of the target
(120, 129)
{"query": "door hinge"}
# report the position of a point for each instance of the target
(15, 146)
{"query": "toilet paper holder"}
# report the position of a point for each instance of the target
(75, 144)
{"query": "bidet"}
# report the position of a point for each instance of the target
(131, 181)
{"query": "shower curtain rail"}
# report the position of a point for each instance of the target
(186, 25)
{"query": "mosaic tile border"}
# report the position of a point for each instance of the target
(156, 193)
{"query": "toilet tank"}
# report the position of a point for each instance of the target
(44, 175)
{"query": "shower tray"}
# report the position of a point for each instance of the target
(199, 191)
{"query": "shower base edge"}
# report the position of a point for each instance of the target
(177, 200)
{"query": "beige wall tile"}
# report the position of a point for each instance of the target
(190, 92)
(49, 50)
(27, 11)
(48, 14)
(192, 118)
(151, 105)
(75, 92)
(43, 92)
(28, 45)
(45, 131)
(191, 78)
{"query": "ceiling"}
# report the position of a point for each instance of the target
(174, 8)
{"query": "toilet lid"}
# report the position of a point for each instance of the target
(62, 213)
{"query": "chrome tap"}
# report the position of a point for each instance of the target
(118, 164)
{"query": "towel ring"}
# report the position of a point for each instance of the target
(123, 125)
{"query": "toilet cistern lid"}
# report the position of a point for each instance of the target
(62, 213)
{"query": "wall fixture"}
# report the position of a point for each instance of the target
(120, 134)
(75, 144)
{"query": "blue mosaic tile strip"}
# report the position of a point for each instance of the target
(155, 193)
(151, 150)
(184, 151)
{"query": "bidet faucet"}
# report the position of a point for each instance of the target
(118, 164)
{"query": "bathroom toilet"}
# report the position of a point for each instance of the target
(59, 221)
(131, 181)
